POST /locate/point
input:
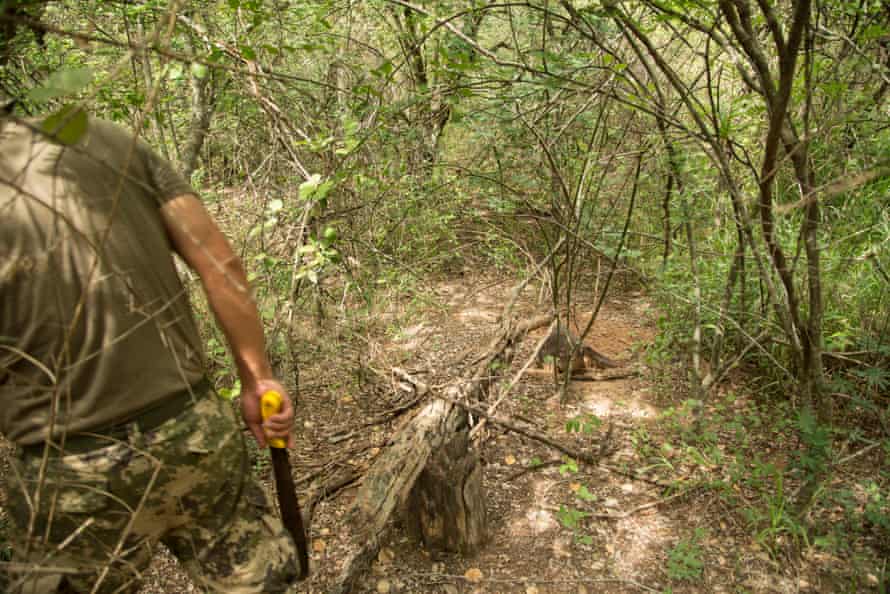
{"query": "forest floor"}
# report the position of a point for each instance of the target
(557, 527)
(554, 526)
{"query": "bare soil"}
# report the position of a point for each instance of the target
(554, 527)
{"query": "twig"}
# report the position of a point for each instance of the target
(864, 450)
(327, 489)
(528, 469)
(637, 509)
(509, 424)
(636, 477)
(475, 430)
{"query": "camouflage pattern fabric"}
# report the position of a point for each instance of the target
(186, 484)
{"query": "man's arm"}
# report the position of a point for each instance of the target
(205, 248)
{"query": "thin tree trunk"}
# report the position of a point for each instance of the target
(203, 103)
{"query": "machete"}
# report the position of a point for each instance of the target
(270, 404)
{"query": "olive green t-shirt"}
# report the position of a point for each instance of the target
(95, 324)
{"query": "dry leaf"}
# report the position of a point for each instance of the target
(510, 460)
(473, 575)
(319, 545)
(574, 487)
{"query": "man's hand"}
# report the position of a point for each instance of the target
(276, 426)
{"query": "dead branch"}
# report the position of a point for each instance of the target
(592, 459)
(391, 478)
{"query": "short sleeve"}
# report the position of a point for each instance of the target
(167, 182)
(156, 175)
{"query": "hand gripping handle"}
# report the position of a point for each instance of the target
(270, 404)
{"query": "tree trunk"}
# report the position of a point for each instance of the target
(202, 106)
(446, 508)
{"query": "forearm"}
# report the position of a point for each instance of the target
(235, 310)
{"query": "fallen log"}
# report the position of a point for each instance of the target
(440, 427)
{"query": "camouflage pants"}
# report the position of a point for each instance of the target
(91, 523)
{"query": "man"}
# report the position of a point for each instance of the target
(120, 441)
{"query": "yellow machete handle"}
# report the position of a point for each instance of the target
(270, 404)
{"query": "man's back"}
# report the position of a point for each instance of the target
(92, 312)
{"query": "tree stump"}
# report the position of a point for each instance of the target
(446, 507)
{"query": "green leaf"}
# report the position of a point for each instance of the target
(231, 393)
(71, 80)
(584, 494)
(199, 71)
(570, 518)
(42, 94)
(66, 126)
(307, 188)
(61, 83)
(175, 72)
(383, 70)
(247, 52)
(569, 467)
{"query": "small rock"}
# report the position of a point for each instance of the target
(872, 579)
(562, 547)
(627, 488)
(385, 556)
(610, 502)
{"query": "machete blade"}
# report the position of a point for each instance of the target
(270, 403)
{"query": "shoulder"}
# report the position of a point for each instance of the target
(107, 131)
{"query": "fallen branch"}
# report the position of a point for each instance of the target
(326, 489)
(605, 377)
(636, 477)
(579, 455)
(391, 478)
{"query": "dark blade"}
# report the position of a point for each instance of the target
(290, 508)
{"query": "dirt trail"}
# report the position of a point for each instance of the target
(554, 527)
(535, 543)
